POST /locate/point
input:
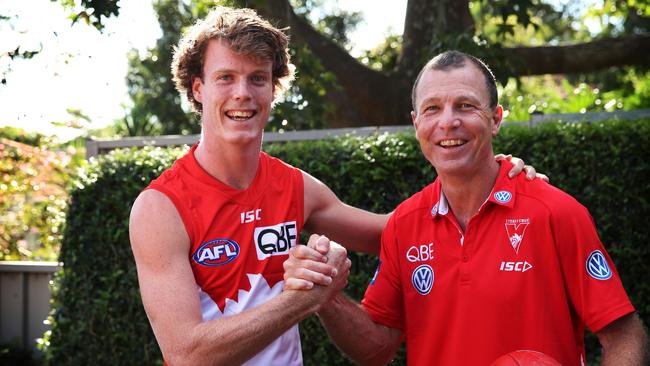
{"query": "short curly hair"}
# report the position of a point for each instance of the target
(246, 32)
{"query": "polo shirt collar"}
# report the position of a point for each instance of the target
(441, 207)
(502, 194)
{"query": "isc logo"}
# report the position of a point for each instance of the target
(275, 240)
(515, 266)
(250, 216)
(216, 252)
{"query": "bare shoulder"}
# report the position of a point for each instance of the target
(150, 201)
(156, 226)
(153, 210)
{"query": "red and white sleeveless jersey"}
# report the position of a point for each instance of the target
(239, 239)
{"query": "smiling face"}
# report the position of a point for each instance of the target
(236, 93)
(453, 121)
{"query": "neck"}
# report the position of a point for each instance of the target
(466, 193)
(233, 164)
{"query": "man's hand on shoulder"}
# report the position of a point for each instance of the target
(519, 167)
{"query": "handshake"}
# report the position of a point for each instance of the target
(320, 269)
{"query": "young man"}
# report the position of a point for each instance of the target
(209, 236)
(477, 265)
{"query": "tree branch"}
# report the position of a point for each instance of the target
(579, 58)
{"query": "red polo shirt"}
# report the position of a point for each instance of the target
(529, 272)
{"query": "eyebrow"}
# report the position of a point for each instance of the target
(233, 71)
(462, 97)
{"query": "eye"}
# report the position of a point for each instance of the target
(259, 79)
(465, 106)
(431, 109)
(225, 77)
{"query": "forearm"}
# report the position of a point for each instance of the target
(235, 339)
(357, 230)
(636, 356)
(364, 235)
(625, 343)
(355, 333)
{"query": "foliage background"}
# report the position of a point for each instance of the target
(98, 316)
(34, 177)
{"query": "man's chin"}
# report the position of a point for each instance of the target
(450, 167)
(243, 137)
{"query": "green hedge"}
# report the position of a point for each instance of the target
(99, 318)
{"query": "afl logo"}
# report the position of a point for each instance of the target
(216, 252)
(503, 196)
(422, 279)
(597, 266)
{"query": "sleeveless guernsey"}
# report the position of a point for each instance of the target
(239, 239)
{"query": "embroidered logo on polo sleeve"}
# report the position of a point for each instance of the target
(597, 266)
(422, 279)
(503, 196)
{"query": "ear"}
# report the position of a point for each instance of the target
(497, 118)
(414, 119)
(197, 84)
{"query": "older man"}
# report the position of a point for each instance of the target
(476, 265)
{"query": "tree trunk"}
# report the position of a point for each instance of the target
(363, 89)
(452, 17)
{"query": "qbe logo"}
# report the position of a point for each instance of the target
(597, 266)
(420, 253)
(275, 240)
(216, 252)
(422, 279)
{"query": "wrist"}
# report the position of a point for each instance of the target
(304, 302)
(332, 305)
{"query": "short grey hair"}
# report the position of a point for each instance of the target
(449, 60)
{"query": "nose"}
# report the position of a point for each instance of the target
(448, 118)
(242, 90)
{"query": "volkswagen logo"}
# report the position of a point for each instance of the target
(503, 196)
(597, 266)
(422, 279)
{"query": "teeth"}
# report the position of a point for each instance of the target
(239, 114)
(451, 142)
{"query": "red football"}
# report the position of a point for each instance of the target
(525, 358)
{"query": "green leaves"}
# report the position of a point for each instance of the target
(34, 175)
(91, 11)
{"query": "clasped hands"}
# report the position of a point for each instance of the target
(321, 268)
